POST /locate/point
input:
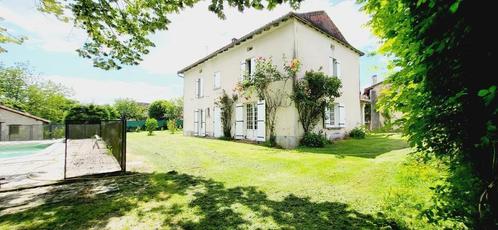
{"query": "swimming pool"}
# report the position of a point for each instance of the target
(24, 149)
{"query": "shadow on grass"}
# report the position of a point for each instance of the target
(370, 147)
(210, 205)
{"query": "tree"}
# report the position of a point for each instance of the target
(226, 103)
(151, 125)
(118, 30)
(161, 109)
(48, 100)
(312, 94)
(177, 111)
(113, 113)
(129, 108)
(87, 113)
(271, 86)
(20, 89)
(442, 59)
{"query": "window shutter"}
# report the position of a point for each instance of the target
(242, 70)
(331, 66)
(253, 66)
(196, 122)
(239, 121)
(326, 118)
(196, 88)
(338, 66)
(203, 123)
(261, 131)
(201, 86)
(342, 115)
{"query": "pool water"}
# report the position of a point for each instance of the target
(17, 150)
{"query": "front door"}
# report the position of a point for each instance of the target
(217, 130)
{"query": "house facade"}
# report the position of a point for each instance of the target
(314, 40)
(19, 126)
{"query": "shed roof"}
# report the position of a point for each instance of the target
(24, 114)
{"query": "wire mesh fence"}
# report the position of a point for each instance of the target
(33, 132)
(94, 147)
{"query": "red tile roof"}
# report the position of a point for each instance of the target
(319, 20)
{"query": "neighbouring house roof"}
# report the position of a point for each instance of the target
(24, 114)
(366, 91)
(318, 20)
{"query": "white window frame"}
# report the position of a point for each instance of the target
(334, 116)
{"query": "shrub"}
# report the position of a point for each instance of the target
(357, 133)
(172, 126)
(314, 140)
(151, 125)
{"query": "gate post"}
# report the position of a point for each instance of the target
(123, 145)
(66, 134)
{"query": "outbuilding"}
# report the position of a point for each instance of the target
(16, 125)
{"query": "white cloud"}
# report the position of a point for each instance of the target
(195, 32)
(106, 91)
(45, 30)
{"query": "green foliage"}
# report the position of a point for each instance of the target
(87, 113)
(172, 126)
(312, 95)
(314, 140)
(118, 31)
(113, 113)
(163, 109)
(151, 125)
(20, 89)
(6, 37)
(443, 87)
(226, 104)
(264, 82)
(130, 109)
(357, 133)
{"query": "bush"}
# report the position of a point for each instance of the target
(314, 140)
(151, 125)
(172, 126)
(357, 133)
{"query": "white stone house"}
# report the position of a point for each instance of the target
(20, 126)
(310, 37)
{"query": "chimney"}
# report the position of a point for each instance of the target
(374, 79)
(234, 40)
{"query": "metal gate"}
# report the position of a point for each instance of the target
(94, 147)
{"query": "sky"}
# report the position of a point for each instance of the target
(50, 48)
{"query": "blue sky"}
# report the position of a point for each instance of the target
(50, 48)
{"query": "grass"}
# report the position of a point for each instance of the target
(195, 183)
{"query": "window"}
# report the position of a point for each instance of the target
(251, 66)
(14, 129)
(252, 116)
(332, 114)
(217, 80)
(334, 67)
(335, 116)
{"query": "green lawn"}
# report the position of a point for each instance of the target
(195, 183)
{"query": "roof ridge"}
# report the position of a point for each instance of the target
(333, 32)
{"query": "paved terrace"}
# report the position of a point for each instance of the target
(84, 158)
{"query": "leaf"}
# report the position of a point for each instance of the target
(454, 6)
